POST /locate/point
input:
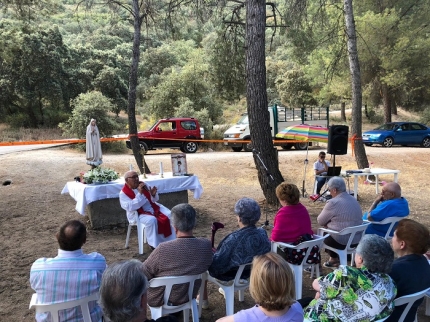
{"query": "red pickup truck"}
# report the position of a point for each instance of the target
(160, 135)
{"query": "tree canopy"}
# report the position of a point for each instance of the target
(193, 56)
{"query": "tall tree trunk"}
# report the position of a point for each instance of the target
(256, 97)
(386, 98)
(354, 67)
(393, 107)
(132, 126)
(342, 112)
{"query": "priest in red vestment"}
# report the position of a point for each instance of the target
(139, 200)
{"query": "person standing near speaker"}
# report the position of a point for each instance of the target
(320, 168)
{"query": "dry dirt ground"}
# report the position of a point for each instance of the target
(32, 208)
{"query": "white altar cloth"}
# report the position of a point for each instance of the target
(84, 194)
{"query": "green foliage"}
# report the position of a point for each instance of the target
(197, 64)
(392, 43)
(226, 55)
(185, 91)
(118, 147)
(88, 106)
(9, 133)
(187, 109)
(216, 133)
(375, 116)
(110, 84)
(36, 81)
(276, 66)
(425, 117)
(100, 175)
(294, 89)
(29, 11)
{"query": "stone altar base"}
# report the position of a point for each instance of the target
(108, 213)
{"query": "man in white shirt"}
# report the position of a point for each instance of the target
(320, 168)
(139, 200)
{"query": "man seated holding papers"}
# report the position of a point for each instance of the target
(139, 200)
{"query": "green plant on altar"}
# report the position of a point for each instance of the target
(100, 175)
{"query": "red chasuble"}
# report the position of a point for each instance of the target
(163, 222)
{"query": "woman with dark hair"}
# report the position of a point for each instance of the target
(272, 288)
(411, 270)
(362, 293)
(292, 220)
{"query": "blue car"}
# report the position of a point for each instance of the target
(398, 133)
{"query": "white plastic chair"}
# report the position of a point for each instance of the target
(141, 236)
(168, 282)
(388, 220)
(54, 308)
(409, 300)
(237, 284)
(324, 187)
(428, 303)
(349, 250)
(298, 269)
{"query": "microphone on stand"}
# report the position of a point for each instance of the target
(319, 196)
(258, 155)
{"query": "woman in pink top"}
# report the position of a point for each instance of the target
(292, 219)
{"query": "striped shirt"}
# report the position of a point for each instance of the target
(69, 276)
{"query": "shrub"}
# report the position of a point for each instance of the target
(425, 117)
(217, 133)
(374, 117)
(85, 107)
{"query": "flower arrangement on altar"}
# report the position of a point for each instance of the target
(99, 175)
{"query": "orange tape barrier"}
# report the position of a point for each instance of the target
(353, 139)
(75, 141)
(65, 141)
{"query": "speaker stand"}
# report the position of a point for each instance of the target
(334, 160)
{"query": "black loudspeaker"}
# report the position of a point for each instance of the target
(337, 139)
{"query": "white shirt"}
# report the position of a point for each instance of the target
(320, 166)
(131, 205)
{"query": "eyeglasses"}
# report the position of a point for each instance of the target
(133, 177)
(322, 156)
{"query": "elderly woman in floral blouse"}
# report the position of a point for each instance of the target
(362, 293)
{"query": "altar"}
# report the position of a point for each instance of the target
(101, 201)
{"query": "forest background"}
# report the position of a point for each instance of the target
(64, 59)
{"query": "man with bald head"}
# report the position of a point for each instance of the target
(389, 203)
(69, 276)
(139, 200)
